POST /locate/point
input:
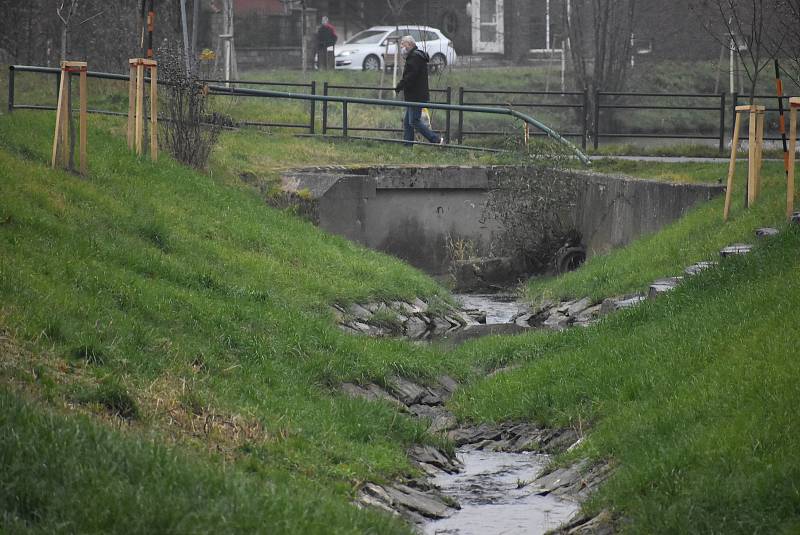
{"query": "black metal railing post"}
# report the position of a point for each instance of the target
(447, 118)
(325, 109)
(460, 116)
(596, 136)
(585, 119)
(313, 110)
(344, 119)
(722, 110)
(58, 83)
(10, 88)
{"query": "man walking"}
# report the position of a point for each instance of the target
(414, 86)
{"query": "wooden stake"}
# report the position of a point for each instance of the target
(131, 102)
(57, 137)
(759, 154)
(794, 104)
(751, 158)
(139, 106)
(154, 113)
(732, 166)
(84, 123)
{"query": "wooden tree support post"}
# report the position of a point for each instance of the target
(61, 135)
(794, 105)
(756, 144)
(138, 67)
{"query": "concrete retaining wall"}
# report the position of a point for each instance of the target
(412, 213)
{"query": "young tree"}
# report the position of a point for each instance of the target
(599, 40)
(65, 11)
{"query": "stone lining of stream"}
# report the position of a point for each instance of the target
(418, 321)
(419, 501)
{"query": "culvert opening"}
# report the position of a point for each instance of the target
(413, 213)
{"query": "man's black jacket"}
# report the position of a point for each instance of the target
(415, 77)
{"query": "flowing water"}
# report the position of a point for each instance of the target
(499, 308)
(493, 488)
(495, 498)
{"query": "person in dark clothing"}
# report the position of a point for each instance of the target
(326, 36)
(414, 86)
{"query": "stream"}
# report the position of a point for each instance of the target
(499, 308)
(495, 498)
(493, 487)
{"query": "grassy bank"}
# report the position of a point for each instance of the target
(200, 316)
(690, 397)
(189, 327)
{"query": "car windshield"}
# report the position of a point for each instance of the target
(367, 37)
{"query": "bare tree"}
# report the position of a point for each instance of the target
(599, 40)
(788, 22)
(743, 26)
(65, 12)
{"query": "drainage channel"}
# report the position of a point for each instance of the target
(493, 488)
(495, 497)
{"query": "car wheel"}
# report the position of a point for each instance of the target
(438, 62)
(372, 63)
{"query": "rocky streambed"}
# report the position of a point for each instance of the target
(499, 473)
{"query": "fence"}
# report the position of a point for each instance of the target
(581, 107)
(345, 127)
(608, 108)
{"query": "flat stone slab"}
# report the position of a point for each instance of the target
(578, 306)
(699, 267)
(662, 286)
(406, 391)
(766, 232)
(612, 304)
(736, 249)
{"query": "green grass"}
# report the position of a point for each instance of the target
(692, 398)
(176, 306)
(70, 475)
(144, 287)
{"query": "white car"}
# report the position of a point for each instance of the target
(367, 49)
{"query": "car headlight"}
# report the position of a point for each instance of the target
(346, 53)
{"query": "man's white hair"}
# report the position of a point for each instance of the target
(408, 40)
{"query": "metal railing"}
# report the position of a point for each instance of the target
(345, 101)
(720, 108)
(567, 101)
(327, 88)
(229, 88)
